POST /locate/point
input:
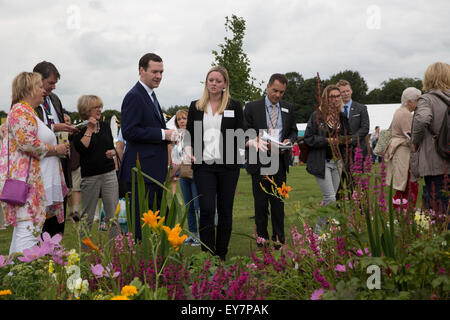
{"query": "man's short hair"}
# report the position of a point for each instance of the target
(146, 58)
(46, 69)
(278, 76)
(342, 83)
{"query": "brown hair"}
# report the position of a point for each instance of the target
(278, 76)
(437, 76)
(86, 103)
(24, 85)
(46, 69)
(326, 96)
(146, 58)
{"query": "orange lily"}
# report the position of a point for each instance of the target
(173, 235)
(284, 190)
(87, 241)
(153, 219)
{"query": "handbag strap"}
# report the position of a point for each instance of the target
(29, 161)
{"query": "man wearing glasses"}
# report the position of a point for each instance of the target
(51, 112)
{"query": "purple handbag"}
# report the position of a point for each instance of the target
(15, 191)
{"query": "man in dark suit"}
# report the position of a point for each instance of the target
(144, 128)
(51, 112)
(275, 116)
(358, 119)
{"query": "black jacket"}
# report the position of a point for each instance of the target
(255, 118)
(231, 121)
(315, 138)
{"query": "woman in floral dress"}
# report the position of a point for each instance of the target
(21, 142)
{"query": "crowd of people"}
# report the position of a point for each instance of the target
(66, 166)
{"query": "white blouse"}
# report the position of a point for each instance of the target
(211, 134)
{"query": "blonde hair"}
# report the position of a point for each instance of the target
(180, 112)
(204, 100)
(437, 76)
(343, 83)
(24, 85)
(86, 103)
(326, 95)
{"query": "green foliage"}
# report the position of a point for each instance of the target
(243, 86)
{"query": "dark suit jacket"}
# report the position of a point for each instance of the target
(141, 128)
(359, 125)
(255, 118)
(60, 111)
(230, 123)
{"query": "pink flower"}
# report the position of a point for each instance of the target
(33, 254)
(340, 268)
(51, 242)
(317, 295)
(99, 271)
(4, 262)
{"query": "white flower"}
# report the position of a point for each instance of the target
(79, 287)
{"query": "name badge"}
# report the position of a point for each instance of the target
(228, 113)
(50, 117)
(285, 110)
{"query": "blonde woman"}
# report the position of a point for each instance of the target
(427, 121)
(215, 176)
(95, 145)
(29, 151)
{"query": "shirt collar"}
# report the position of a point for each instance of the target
(348, 103)
(269, 103)
(147, 88)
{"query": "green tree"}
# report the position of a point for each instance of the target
(391, 90)
(237, 63)
(171, 111)
(357, 82)
(307, 99)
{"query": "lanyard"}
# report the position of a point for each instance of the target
(274, 125)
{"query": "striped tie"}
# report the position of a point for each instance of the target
(48, 112)
(273, 117)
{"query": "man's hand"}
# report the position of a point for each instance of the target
(171, 135)
(258, 144)
(65, 128)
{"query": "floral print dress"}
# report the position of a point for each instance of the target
(21, 128)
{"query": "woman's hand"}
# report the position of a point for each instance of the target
(62, 149)
(110, 153)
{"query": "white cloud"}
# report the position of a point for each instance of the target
(96, 45)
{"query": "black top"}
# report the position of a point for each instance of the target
(93, 159)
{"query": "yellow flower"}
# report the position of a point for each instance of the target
(87, 241)
(117, 209)
(173, 235)
(129, 291)
(284, 190)
(153, 219)
(120, 298)
(50, 267)
(5, 292)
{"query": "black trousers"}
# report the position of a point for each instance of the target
(216, 186)
(153, 191)
(262, 201)
(52, 226)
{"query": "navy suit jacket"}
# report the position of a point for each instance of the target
(141, 128)
(359, 125)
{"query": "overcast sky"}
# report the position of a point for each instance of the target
(96, 45)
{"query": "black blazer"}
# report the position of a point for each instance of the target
(359, 125)
(255, 118)
(233, 122)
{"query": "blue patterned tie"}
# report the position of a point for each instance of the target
(346, 110)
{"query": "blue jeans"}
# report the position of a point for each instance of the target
(189, 191)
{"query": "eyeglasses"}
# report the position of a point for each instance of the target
(98, 107)
(335, 97)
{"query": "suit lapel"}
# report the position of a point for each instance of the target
(58, 108)
(149, 101)
(284, 118)
(261, 115)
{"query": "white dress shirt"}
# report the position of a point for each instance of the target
(211, 134)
